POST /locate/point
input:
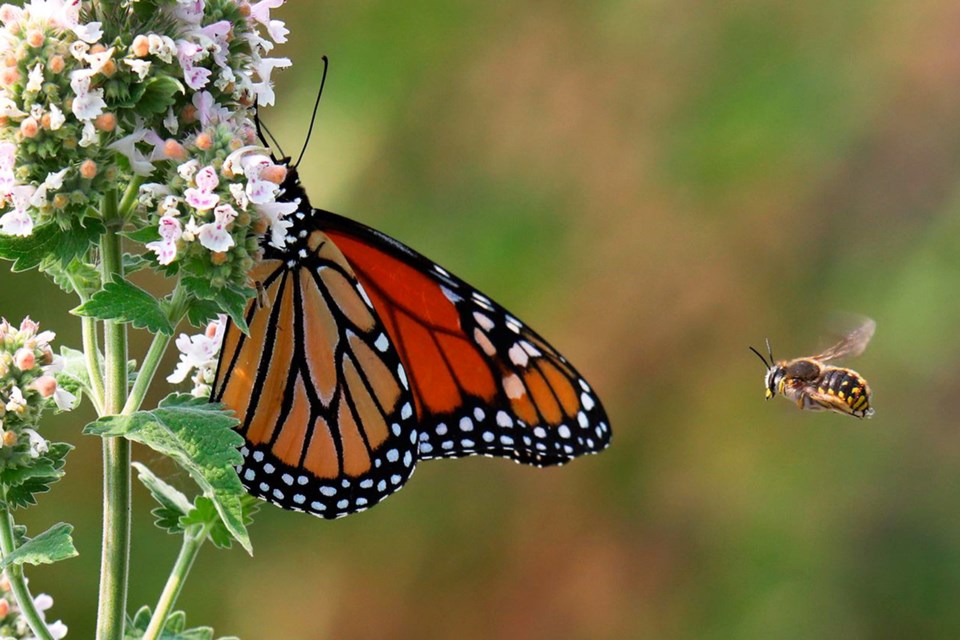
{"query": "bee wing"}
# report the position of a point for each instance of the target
(852, 344)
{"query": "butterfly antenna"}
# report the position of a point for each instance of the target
(316, 105)
(762, 359)
(261, 127)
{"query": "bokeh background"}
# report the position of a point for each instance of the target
(654, 185)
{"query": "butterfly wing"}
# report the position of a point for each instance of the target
(321, 394)
(483, 383)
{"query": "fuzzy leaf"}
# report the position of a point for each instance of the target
(125, 302)
(231, 301)
(22, 490)
(158, 94)
(201, 312)
(144, 235)
(133, 263)
(174, 628)
(199, 436)
(50, 242)
(51, 546)
(173, 504)
(74, 377)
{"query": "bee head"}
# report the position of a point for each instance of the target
(775, 372)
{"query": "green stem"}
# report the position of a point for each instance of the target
(91, 351)
(115, 558)
(18, 584)
(192, 541)
(178, 308)
(130, 195)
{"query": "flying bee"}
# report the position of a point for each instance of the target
(817, 386)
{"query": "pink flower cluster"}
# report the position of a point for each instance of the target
(202, 65)
(247, 183)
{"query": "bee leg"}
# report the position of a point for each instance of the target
(801, 398)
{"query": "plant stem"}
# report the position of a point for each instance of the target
(178, 308)
(18, 583)
(192, 541)
(115, 558)
(91, 350)
(130, 196)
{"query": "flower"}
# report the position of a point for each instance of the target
(18, 222)
(127, 146)
(202, 197)
(38, 446)
(214, 235)
(275, 213)
(15, 401)
(166, 248)
(88, 103)
(199, 352)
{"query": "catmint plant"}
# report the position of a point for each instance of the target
(127, 143)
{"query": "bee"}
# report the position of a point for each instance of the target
(817, 386)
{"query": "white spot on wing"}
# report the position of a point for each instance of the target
(518, 356)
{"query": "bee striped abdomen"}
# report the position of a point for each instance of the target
(848, 386)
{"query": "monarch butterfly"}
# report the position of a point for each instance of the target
(364, 357)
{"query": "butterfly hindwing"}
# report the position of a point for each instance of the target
(483, 382)
(323, 399)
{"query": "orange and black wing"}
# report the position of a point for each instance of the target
(483, 383)
(321, 394)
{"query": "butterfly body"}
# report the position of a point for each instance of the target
(365, 357)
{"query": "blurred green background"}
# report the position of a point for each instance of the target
(654, 185)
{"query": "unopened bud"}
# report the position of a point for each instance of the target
(204, 141)
(88, 169)
(97, 48)
(60, 201)
(9, 76)
(35, 38)
(174, 150)
(29, 128)
(274, 173)
(140, 46)
(4, 608)
(218, 257)
(56, 64)
(46, 385)
(24, 359)
(188, 114)
(109, 68)
(9, 438)
(105, 122)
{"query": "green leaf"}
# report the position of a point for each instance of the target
(51, 242)
(158, 94)
(231, 301)
(173, 504)
(201, 312)
(199, 436)
(74, 376)
(125, 302)
(174, 628)
(51, 546)
(133, 262)
(22, 489)
(144, 235)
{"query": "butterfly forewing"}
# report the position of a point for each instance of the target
(483, 382)
(323, 399)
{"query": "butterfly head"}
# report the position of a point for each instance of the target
(291, 188)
